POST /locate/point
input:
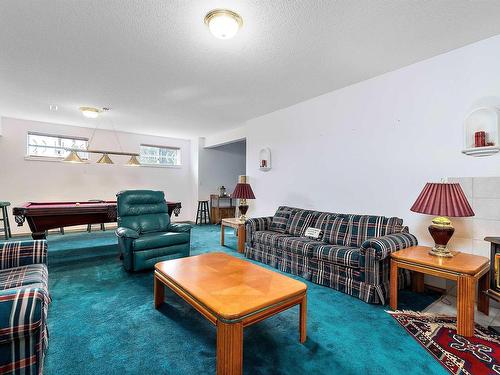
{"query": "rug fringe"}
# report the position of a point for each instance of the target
(417, 313)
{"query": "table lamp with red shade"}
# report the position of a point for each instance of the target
(443, 200)
(243, 191)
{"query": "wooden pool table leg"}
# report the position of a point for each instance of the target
(303, 320)
(159, 292)
(39, 235)
(229, 348)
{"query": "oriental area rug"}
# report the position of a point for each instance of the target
(478, 355)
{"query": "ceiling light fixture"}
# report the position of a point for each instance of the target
(223, 23)
(90, 112)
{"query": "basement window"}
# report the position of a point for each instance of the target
(160, 156)
(49, 146)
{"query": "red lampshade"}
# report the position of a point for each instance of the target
(243, 191)
(442, 199)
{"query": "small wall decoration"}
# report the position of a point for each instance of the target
(265, 159)
(481, 129)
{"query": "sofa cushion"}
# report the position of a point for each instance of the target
(321, 219)
(155, 240)
(268, 238)
(299, 221)
(281, 218)
(363, 227)
(298, 245)
(23, 276)
(344, 255)
(335, 230)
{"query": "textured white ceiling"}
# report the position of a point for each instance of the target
(160, 70)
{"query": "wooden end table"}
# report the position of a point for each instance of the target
(232, 294)
(237, 224)
(466, 269)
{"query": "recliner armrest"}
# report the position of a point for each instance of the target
(179, 227)
(126, 232)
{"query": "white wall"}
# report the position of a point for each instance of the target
(28, 180)
(371, 147)
(229, 136)
(220, 166)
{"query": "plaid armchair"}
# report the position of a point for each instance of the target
(351, 254)
(24, 300)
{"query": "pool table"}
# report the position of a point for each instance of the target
(51, 215)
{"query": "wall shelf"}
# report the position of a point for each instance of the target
(485, 119)
(265, 159)
(481, 151)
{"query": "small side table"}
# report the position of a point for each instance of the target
(466, 269)
(237, 224)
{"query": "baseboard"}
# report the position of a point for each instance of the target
(81, 229)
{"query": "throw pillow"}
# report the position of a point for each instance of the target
(280, 220)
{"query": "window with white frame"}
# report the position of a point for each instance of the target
(54, 146)
(160, 155)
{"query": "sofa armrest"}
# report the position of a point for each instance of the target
(180, 227)
(22, 253)
(23, 311)
(385, 245)
(255, 224)
(126, 233)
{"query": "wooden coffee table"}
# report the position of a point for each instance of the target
(466, 269)
(231, 293)
(239, 226)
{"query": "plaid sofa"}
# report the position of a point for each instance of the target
(351, 254)
(24, 300)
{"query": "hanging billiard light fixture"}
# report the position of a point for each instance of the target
(73, 157)
(133, 162)
(105, 159)
(223, 23)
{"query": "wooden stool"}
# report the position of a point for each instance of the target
(203, 213)
(5, 218)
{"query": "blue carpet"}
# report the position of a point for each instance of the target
(102, 321)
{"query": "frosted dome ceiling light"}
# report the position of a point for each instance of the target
(90, 112)
(223, 23)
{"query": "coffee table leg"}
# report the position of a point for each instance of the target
(229, 348)
(483, 301)
(303, 320)
(159, 292)
(222, 234)
(465, 305)
(394, 285)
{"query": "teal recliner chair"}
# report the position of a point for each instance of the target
(145, 234)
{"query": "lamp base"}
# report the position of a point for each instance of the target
(441, 231)
(243, 210)
(442, 252)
